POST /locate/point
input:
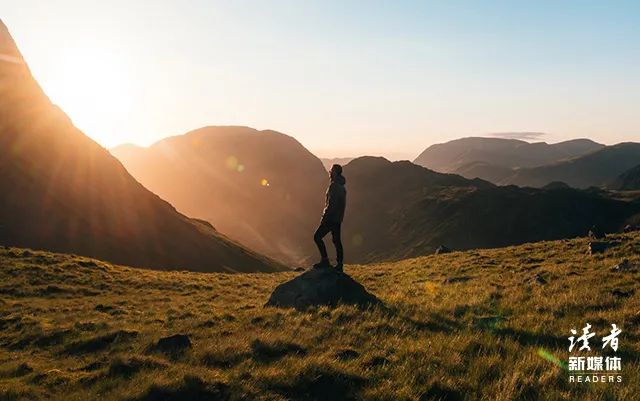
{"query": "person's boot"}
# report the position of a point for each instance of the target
(339, 267)
(323, 264)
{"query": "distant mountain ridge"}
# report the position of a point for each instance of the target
(597, 168)
(579, 163)
(510, 153)
(63, 192)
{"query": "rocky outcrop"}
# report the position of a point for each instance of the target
(317, 287)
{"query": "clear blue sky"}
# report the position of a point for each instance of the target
(343, 77)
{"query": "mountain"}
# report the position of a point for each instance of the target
(63, 192)
(598, 168)
(628, 181)
(328, 162)
(262, 188)
(397, 210)
(476, 156)
(394, 209)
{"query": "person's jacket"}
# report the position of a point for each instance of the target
(336, 201)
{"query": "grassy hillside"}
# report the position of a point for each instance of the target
(459, 326)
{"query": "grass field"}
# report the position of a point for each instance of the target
(477, 325)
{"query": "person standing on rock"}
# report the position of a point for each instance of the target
(332, 216)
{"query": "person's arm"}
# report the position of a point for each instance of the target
(331, 209)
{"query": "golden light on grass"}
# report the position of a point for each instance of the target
(443, 332)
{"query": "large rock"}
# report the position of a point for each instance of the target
(321, 287)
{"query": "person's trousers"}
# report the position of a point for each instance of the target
(324, 229)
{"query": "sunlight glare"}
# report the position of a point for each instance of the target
(94, 87)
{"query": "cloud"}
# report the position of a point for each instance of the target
(519, 135)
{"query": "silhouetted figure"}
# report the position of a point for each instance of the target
(335, 203)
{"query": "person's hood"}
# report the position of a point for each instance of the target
(339, 180)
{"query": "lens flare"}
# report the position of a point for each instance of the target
(264, 182)
(543, 353)
(231, 163)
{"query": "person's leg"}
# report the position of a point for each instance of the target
(317, 238)
(337, 242)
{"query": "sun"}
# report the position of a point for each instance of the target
(94, 87)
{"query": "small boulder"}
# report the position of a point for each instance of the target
(318, 287)
(625, 265)
(346, 354)
(629, 228)
(621, 293)
(172, 345)
(442, 249)
(540, 280)
(377, 361)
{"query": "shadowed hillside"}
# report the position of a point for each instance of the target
(462, 155)
(398, 210)
(628, 181)
(262, 188)
(479, 325)
(486, 171)
(594, 169)
(61, 191)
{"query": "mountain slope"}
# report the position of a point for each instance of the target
(460, 326)
(398, 210)
(262, 188)
(628, 181)
(598, 168)
(506, 153)
(61, 191)
(486, 171)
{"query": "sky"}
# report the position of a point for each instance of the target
(345, 78)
